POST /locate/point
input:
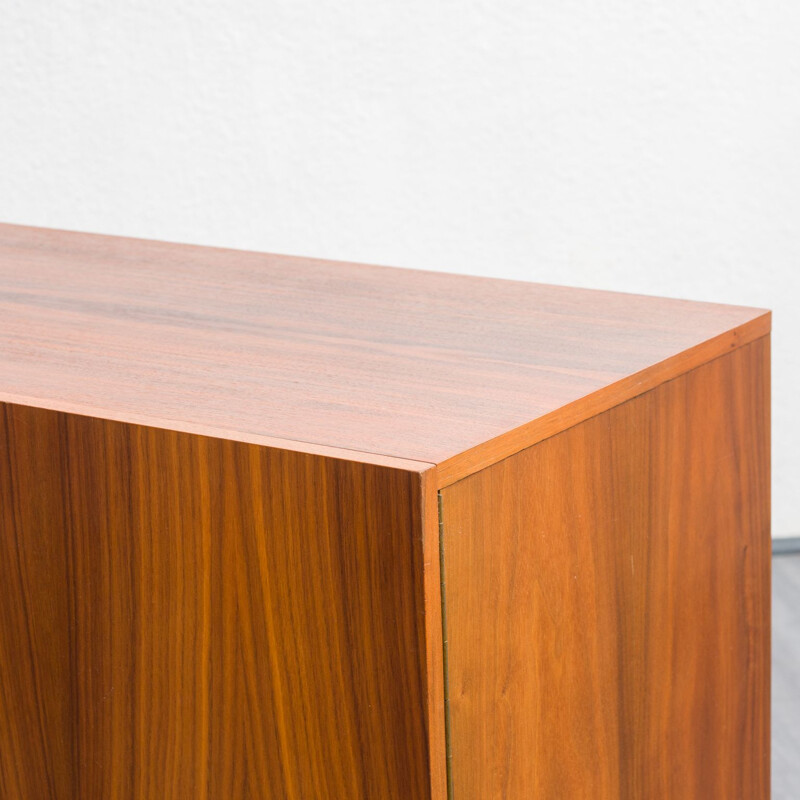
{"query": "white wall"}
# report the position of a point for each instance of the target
(634, 146)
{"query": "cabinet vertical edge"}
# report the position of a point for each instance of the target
(434, 635)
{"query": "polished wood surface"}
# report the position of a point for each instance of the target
(607, 601)
(366, 363)
(187, 617)
(275, 527)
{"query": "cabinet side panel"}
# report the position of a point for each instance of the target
(193, 617)
(608, 601)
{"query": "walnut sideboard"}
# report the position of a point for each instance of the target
(275, 527)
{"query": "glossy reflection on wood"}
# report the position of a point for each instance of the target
(342, 359)
(607, 596)
(186, 617)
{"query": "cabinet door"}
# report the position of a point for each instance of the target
(188, 618)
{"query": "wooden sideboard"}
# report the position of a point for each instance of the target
(276, 527)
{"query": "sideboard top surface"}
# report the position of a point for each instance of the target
(388, 365)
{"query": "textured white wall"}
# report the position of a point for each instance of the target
(634, 146)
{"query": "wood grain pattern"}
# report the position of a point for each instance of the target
(220, 565)
(187, 617)
(367, 363)
(607, 596)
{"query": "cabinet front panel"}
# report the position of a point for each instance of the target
(186, 617)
